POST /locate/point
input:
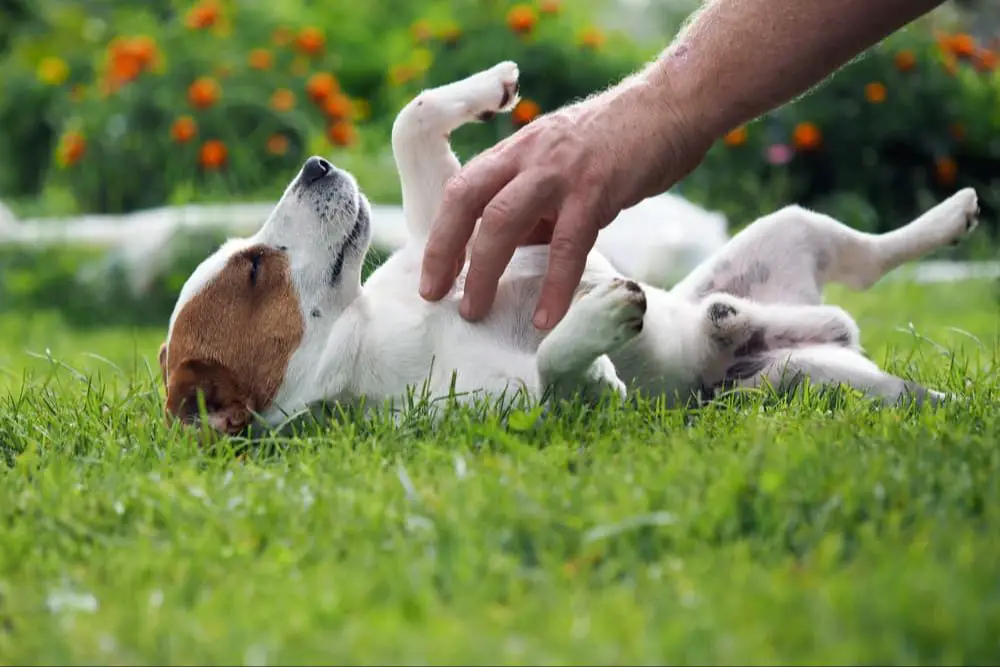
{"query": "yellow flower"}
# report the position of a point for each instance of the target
(53, 71)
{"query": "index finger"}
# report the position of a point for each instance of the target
(464, 199)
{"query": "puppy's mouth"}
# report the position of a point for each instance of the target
(352, 242)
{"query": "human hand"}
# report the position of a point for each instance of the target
(559, 180)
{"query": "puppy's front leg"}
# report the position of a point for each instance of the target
(572, 359)
(420, 134)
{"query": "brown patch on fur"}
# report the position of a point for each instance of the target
(232, 342)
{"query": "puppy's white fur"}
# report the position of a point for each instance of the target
(751, 313)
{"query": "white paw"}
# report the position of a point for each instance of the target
(491, 91)
(613, 312)
(727, 320)
(963, 208)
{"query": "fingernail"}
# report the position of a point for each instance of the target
(426, 287)
(541, 319)
(465, 310)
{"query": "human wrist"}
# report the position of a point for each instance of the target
(656, 139)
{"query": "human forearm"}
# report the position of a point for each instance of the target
(737, 59)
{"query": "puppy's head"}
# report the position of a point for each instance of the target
(256, 312)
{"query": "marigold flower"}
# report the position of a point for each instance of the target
(986, 60)
(450, 34)
(521, 19)
(945, 170)
(52, 71)
(320, 86)
(338, 106)
(905, 60)
(875, 92)
(283, 100)
(963, 46)
(806, 136)
(204, 92)
(549, 7)
(260, 59)
(277, 144)
(183, 129)
(400, 74)
(72, 148)
(213, 154)
(525, 111)
(310, 41)
(203, 15)
(421, 31)
(736, 137)
(592, 38)
(342, 133)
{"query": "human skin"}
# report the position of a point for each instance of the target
(569, 173)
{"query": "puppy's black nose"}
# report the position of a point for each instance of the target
(315, 168)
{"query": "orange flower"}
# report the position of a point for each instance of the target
(213, 154)
(806, 136)
(72, 148)
(421, 31)
(338, 106)
(592, 38)
(277, 144)
(450, 34)
(400, 74)
(945, 170)
(203, 15)
(283, 100)
(521, 19)
(963, 46)
(905, 61)
(204, 92)
(310, 41)
(260, 59)
(525, 112)
(549, 7)
(342, 133)
(736, 137)
(320, 86)
(183, 129)
(282, 36)
(143, 49)
(875, 92)
(986, 60)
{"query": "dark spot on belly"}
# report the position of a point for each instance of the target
(315, 312)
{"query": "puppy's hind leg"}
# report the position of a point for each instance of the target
(828, 366)
(420, 134)
(789, 255)
(572, 359)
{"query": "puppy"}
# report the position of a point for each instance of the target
(271, 325)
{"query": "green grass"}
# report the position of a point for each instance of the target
(756, 533)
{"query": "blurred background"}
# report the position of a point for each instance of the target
(115, 107)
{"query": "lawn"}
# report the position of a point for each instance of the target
(753, 532)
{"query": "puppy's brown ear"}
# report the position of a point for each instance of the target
(163, 362)
(227, 405)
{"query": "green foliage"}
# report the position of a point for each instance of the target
(818, 531)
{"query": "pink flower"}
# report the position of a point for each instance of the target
(779, 154)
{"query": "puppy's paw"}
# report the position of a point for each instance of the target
(496, 90)
(613, 312)
(961, 214)
(727, 321)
